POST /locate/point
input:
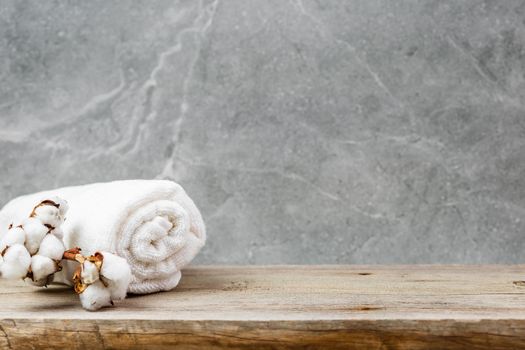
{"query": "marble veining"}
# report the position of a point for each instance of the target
(362, 131)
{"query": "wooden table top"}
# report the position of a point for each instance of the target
(391, 307)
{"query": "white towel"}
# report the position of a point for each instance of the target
(151, 223)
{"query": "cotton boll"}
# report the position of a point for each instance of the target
(63, 206)
(117, 275)
(57, 231)
(15, 235)
(43, 282)
(16, 262)
(95, 296)
(48, 214)
(118, 290)
(51, 247)
(42, 267)
(35, 233)
(89, 273)
(12, 271)
(114, 267)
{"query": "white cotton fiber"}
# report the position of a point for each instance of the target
(114, 267)
(89, 273)
(95, 296)
(15, 235)
(35, 233)
(117, 274)
(57, 231)
(16, 262)
(51, 247)
(42, 267)
(42, 282)
(63, 206)
(118, 290)
(49, 215)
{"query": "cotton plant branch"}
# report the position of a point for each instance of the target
(34, 250)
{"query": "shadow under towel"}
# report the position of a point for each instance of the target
(151, 223)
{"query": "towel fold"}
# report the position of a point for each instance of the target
(151, 223)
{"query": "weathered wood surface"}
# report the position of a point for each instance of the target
(347, 307)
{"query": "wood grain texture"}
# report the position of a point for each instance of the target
(285, 307)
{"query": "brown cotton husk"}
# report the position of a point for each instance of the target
(30, 273)
(96, 259)
(78, 286)
(3, 251)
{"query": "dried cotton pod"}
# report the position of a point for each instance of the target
(48, 215)
(51, 212)
(100, 278)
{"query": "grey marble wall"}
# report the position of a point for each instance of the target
(360, 131)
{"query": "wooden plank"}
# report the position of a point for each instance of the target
(285, 307)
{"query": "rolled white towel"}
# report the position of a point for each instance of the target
(153, 224)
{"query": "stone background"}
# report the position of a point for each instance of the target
(360, 131)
